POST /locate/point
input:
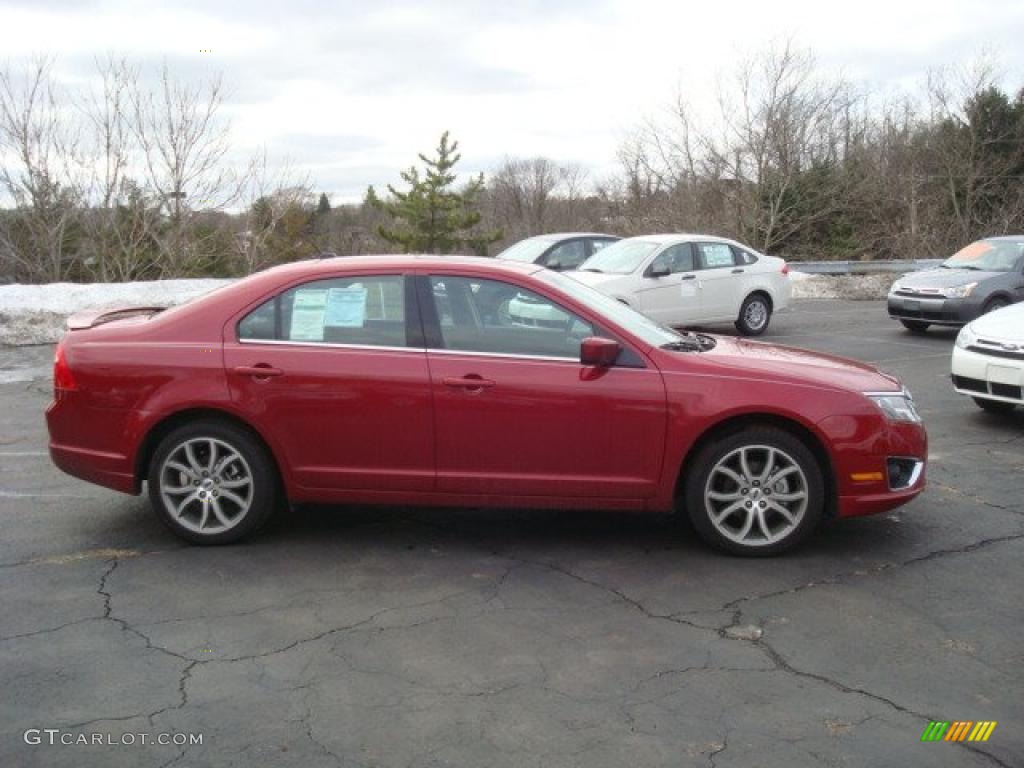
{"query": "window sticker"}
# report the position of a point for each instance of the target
(308, 315)
(973, 251)
(716, 255)
(346, 307)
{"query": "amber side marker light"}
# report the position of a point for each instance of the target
(864, 477)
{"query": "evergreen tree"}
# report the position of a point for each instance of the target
(324, 206)
(432, 216)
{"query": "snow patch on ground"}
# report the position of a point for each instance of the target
(36, 314)
(857, 287)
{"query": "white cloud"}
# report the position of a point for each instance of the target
(566, 79)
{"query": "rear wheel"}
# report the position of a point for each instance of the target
(993, 406)
(915, 326)
(755, 313)
(756, 492)
(212, 483)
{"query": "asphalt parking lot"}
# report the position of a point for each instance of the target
(410, 637)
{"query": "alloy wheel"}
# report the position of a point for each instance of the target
(756, 495)
(206, 485)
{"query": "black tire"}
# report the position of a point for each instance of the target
(262, 492)
(993, 304)
(999, 407)
(755, 314)
(699, 508)
(915, 326)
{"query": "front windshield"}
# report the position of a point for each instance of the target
(987, 256)
(639, 325)
(619, 258)
(526, 250)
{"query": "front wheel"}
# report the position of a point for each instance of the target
(755, 313)
(915, 326)
(212, 483)
(993, 304)
(993, 406)
(756, 492)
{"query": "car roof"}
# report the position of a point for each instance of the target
(1006, 238)
(401, 261)
(681, 238)
(569, 235)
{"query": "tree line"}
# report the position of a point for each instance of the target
(135, 177)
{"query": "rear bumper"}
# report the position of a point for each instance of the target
(71, 452)
(935, 310)
(103, 469)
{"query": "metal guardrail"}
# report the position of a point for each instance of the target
(863, 267)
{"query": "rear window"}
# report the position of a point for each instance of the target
(363, 311)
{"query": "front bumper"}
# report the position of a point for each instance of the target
(988, 376)
(863, 449)
(934, 309)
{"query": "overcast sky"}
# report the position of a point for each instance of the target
(352, 90)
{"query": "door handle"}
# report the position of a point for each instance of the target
(260, 371)
(688, 277)
(467, 382)
(736, 271)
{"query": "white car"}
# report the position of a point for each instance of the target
(682, 280)
(988, 359)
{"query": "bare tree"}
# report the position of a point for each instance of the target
(43, 177)
(183, 143)
(271, 195)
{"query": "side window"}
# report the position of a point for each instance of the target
(744, 256)
(261, 323)
(491, 316)
(352, 310)
(713, 255)
(676, 258)
(567, 255)
(598, 243)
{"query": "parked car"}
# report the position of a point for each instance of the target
(384, 380)
(988, 360)
(685, 280)
(985, 276)
(560, 251)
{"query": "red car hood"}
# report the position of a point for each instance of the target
(761, 360)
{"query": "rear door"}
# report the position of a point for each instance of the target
(720, 277)
(334, 373)
(518, 415)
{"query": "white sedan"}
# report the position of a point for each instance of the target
(988, 359)
(682, 280)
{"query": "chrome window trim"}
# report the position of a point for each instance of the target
(512, 355)
(330, 345)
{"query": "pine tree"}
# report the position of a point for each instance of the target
(324, 206)
(432, 216)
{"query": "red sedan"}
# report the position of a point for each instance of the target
(464, 381)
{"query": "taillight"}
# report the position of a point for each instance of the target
(785, 268)
(63, 378)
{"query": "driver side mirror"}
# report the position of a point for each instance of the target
(657, 270)
(599, 351)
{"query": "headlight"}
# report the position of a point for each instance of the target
(966, 337)
(958, 291)
(895, 287)
(897, 406)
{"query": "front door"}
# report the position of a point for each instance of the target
(328, 371)
(516, 412)
(673, 298)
